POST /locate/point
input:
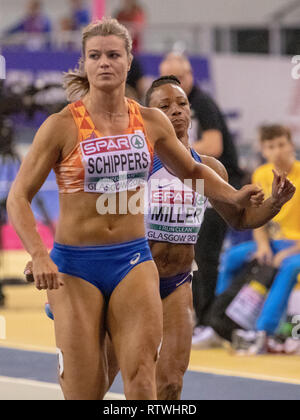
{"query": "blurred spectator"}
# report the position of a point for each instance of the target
(35, 25)
(34, 21)
(79, 16)
(211, 137)
(278, 243)
(133, 16)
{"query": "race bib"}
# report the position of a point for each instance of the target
(115, 164)
(175, 210)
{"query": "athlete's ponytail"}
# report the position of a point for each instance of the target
(75, 81)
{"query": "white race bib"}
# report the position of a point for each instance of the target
(117, 163)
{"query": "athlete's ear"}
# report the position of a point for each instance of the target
(130, 59)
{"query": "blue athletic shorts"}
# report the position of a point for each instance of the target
(103, 266)
(168, 285)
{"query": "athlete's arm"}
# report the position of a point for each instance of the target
(210, 144)
(252, 218)
(42, 156)
(176, 157)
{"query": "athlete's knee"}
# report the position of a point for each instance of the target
(141, 380)
(169, 379)
(171, 391)
(170, 388)
(139, 373)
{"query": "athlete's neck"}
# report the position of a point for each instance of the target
(110, 104)
(184, 140)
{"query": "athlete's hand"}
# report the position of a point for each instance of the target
(43, 272)
(28, 272)
(282, 189)
(250, 196)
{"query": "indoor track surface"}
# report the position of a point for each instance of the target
(28, 360)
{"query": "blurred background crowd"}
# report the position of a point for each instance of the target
(237, 62)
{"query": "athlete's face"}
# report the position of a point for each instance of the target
(278, 151)
(106, 62)
(172, 100)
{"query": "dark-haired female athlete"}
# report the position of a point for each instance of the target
(173, 224)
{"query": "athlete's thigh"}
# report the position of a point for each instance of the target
(78, 309)
(177, 333)
(134, 317)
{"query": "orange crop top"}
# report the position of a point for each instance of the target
(105, 164)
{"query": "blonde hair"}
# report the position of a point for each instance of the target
(75, 81)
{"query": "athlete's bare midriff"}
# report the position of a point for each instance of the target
(172, 259)
(80, 224)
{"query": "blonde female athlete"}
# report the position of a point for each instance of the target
(102, 145)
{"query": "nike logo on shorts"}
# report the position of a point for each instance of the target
(135, 259)
(182, 281)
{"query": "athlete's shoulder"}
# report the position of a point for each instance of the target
(216, 165)
(60, 119)
(58, 126)
(157, 124)
(153, 114)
